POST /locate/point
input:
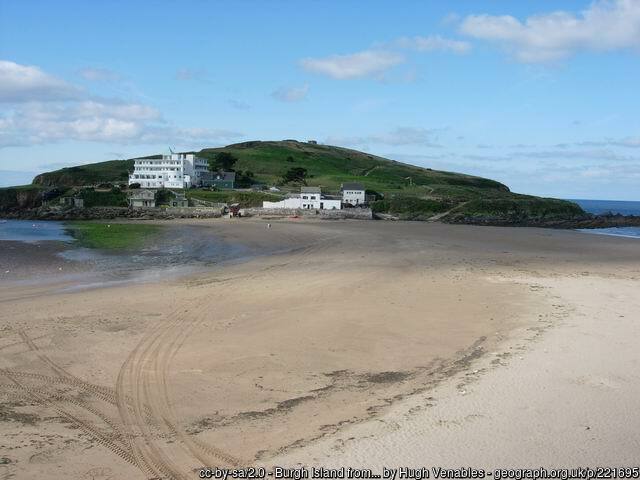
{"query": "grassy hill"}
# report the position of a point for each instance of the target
(409, 191)
(329, 166)
(93, 173)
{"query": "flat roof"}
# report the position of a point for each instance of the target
(352, 186)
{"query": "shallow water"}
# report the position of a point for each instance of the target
(600, 207)
(630, 232)
(177, 250)
(33, 231)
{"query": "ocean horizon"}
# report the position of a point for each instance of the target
(599, 207)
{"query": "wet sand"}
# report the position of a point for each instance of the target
(312, 355)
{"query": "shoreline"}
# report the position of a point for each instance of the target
(505, 412)
(588, 221)
(285, 357)
(42, 262)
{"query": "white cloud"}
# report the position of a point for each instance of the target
(291, 94)
(26, 83)
(99, 74)
(434, 43)
(91, 120)
(48, 110)
(574, 176)
(605, 26)
(630, 142)
(98, 121)
(355, 65)
(398, 137)
(187, 136)
(187, 74)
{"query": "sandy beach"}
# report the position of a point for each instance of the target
(356, 343)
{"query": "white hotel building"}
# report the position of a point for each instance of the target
(177, 170)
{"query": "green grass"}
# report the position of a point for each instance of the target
(23, 187)
(329, 166)
(409, 191)
(411, 208)
(517, 208)
(112, 171)
(245, 199)
(112, 236)
(110, 198)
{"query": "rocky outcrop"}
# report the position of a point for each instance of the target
(17, 198)
(586, 221)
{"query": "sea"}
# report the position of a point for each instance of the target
(611, 206)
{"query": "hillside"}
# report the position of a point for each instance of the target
(329, 166)
(408, 191)
(93, 173)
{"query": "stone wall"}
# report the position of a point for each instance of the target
(355, 213)
(196, 202)
(99, 213)
(195, 211)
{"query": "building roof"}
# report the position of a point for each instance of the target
(141, 193)
(220, 176)
(352, 186)
(226, 176)
(309, 189)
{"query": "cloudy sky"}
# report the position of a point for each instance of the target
(543, 96)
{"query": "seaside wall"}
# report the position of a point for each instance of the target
(194, 211)
(100, 213)
(352, 213)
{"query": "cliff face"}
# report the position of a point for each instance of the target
(12, 198)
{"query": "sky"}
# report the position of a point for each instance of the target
(543, 96)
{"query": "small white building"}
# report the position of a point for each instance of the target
(142, 199)
(177, 170)
(353, 193)
(309, 198)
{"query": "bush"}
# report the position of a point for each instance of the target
(295, 174)
(163, 196)
(113, 198)
(244, 179)
(373, 193)
(520, 209)
(410, 208)
(222, 161)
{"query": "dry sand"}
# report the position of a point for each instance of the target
(363, 343)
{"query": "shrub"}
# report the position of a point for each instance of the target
(410, 208)
(113, 198)
(520, 208)
(295, 174)
(163, 196)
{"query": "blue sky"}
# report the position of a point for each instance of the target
(540, 95)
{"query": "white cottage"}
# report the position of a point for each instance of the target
(309, 198)
(353, 193)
